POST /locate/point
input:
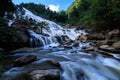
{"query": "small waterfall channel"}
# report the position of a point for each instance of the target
(75, 64)
(37, 40)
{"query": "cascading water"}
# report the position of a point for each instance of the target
(74, 64)
(37, 40)
(54, 31)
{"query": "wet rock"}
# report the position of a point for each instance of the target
(51, 74)
(76, 44)
(108, 49)
(113, 33)
(89, 49)
(116, 45)
(82, 38)
(54, 63)
(96, 36)
(67, 47)
(25, 49)
(24, 60)
(62, 38)
(69, 41)
(1, 49)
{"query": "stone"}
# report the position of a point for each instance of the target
(25, 49)
(82, 38)
(76, 44)
(113, 33)
(116, 45)
(1, 49)
(108, 49)
(69, 41)
(96, 36)
(54, 63)
(51, 74)
(67, 47)
(24, 60)
(89, 49)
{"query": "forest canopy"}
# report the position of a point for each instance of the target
(101, 14)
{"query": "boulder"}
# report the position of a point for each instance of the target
(1, 49)
(113, 33)
(116, 45)
(51, 74)
(69, 41)
(24, 60)
(26, 49)
(89, 49)
(96, 36)
(76, 44)
(54, 63)
(67, 47)
(109, 49)
(82, 38)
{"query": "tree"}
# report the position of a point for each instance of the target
(41, 25)
(77, 10)
(45, 12)
(6, 5)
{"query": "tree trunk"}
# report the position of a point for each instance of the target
(41, 30)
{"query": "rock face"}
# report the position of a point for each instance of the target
(24, 60)
(51, 74)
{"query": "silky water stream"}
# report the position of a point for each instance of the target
(74, 63)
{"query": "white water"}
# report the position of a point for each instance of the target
(54, 30)
(76, 65)
(79, 65)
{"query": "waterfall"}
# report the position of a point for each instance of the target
(74, 64)
(37, 40)
(56, 33)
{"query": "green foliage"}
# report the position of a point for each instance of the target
(77, 10)
(41, 25)
(45, 12)
(6, 5)
(101, 14)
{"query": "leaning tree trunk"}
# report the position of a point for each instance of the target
(41, 32)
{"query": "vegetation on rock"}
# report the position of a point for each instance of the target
(41, 25)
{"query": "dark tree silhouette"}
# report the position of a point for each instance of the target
(6, 5)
